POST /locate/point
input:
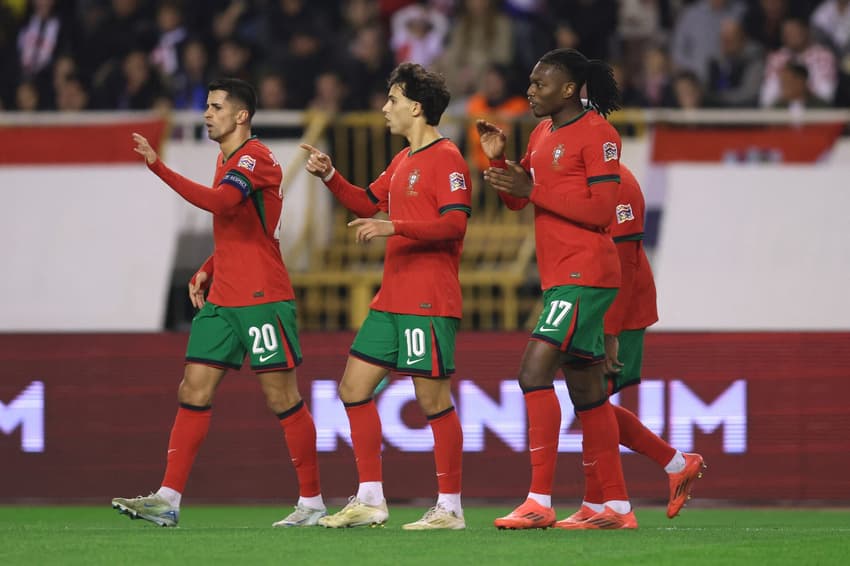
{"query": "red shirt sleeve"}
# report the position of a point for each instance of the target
(216, 199)
(616, 313)
(512, 202)
(450, 226)
(351, 196)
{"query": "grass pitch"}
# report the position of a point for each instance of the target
(243, 535)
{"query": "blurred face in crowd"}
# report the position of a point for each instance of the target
(478, 8)
(72, 96)
(272, 93)
(124, 8)
(26, 97)
(43, 8)
(358, 13)
(688, 93)
(566, 37)
(232, 57)
(399, 110)
(795, 35)
(493, 85)
(731, 37)
(792, 84)
(168, 17)
(136, 69)
(549, 89)
(773, 9)
(195, 58)
(223, 116)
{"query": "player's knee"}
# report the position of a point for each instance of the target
(529, 380)
(351, 392)
(190, 394)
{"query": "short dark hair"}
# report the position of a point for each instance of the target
(239, 90)
(427, 88)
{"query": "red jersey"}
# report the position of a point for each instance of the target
(635, 305)
(249, 269)
(576, 169)
(421, 276)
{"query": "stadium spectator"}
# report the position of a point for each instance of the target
(574, 155)
(136, 87)
(189, 85)
(72, 96)
(250, 310)
(27, 97)
(367, 65)
(171, 35)
(735, 76)
(413, 320)
(418, 34)
(481, 36)
(797, 45)
(271, 92)
(831, 22)
(330, 93)
(696, 34)
(234, 59)
(688, 93)
(640, 25)
(656, 82)
(794, 92)
(593, 21)
(495, 103)
(763, 22)
(40, 39)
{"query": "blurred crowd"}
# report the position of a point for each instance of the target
(335, 55)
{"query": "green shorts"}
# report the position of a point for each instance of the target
(630, 354)
(221, 336)
(413, 344)
(572, 320)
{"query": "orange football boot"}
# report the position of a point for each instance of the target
(607, 519)
(529, 515)
(682, 482)
(580, 516)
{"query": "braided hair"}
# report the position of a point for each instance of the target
(602, 90)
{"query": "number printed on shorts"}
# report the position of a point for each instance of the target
(557, 313)
(265, 339)
(415, 338)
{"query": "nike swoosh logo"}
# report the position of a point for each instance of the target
(172, 450)
(411, 362)
(536, 449)
(270, 356)
(544, 329)
(589, 463)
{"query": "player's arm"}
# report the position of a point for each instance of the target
(215, 199)
(593, 207)
(200, 282)
(449, 226)
(615, 316)
(493, 141)
(352, 197)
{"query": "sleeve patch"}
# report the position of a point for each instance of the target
(248, 162)
(609, 151)
(624, 213)
(457, 181)
(236, 179)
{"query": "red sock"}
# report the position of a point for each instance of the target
(300, 433)
(188, 432)
(592, 485)
(601, 450)
(544, 426)
(366, 439)
(635, 436)
(448, 449)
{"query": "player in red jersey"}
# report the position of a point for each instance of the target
(250, 309)
(626, 321)
(571, 173)
(413, 319)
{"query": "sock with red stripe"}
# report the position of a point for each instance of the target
(188, 432)
(300, 433)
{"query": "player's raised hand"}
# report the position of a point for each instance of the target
(318, 163)
(514, 180)
(492, 139)
(197, 286)
(370, 228)
(143, 148)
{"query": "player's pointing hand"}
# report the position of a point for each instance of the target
(143, 148)
(492, 139)
(318, 163)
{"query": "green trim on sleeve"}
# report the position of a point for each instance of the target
(630, 238)
(372, 197)
(462, 207)
(603, 179)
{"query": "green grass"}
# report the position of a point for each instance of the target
(243, 535)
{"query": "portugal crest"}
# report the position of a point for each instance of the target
(557, 153)
(412, 178)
